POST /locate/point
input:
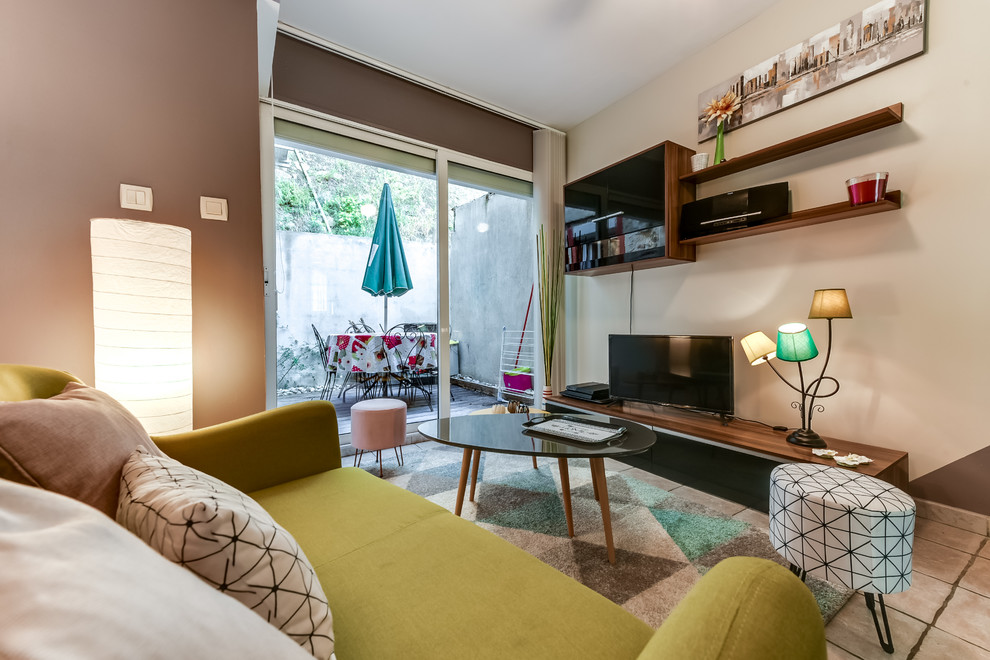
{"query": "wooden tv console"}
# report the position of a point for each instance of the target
(890, 465)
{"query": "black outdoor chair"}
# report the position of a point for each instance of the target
(404, 375)
(415, 372)
(359, 328)
(424, 327)
(329, 368)
(398, 368)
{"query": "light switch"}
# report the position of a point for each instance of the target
(135, 197)
(213, 208)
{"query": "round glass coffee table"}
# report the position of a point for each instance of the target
(505, 434)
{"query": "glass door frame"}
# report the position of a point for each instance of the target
(270, 110)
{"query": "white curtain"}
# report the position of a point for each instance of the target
(549, 176)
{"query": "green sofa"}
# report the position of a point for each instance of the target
(407, 579)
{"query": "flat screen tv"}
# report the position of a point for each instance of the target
(686, 371)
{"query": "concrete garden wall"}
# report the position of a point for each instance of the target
(492, 266)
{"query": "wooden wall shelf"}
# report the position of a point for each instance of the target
(890, 465)
(679, 189)
(842, 131)
(806, 218)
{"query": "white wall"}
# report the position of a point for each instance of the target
(912, 362)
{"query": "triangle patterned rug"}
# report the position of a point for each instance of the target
(664, 543)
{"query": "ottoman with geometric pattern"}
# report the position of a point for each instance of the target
(844, 527)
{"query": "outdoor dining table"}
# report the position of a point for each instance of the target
(377, 358)
(379, 352)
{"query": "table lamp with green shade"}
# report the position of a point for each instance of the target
(795, 344)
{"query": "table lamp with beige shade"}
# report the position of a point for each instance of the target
(795, 344)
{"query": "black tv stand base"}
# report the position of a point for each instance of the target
(719, 471)
(731, 475)
(735, 457)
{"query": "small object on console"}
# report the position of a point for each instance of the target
(852, 460)
(597, 392)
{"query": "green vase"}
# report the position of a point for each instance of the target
(720, 143)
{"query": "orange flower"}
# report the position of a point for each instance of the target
(722, 108)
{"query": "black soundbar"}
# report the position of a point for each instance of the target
(749, 207)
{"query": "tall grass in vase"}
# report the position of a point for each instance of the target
(551, 281)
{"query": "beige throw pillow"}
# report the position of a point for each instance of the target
(73, 443)
(75, 584)
(229, 541)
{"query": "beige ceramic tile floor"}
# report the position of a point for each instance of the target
(944, 615)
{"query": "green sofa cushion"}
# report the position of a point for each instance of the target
(745, 608)
(381, 575)
(337, 512)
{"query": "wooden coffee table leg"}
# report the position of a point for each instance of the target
(462, 484)
(598, 476)
(475, 462)
(565, 488)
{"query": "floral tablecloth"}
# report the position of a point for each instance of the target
(380, 353)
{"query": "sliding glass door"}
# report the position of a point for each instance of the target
(491, 288)
(355, 271)
(357, 214)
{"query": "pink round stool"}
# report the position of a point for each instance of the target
(378, 424)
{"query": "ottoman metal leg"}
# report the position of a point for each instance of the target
(888, 644)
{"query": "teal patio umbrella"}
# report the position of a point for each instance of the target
(387, 273)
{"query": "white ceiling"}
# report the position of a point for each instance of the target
(556, 62)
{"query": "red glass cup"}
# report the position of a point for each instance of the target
(868, 188)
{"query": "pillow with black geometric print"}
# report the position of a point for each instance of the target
(229, 541)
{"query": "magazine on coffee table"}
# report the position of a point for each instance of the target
(581, 430)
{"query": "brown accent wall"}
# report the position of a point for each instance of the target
(314, 78)
(161, 94)
(961, 483)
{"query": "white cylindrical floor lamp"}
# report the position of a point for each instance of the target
(142, 316)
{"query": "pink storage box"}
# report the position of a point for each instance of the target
(518, 381)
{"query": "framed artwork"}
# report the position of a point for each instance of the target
(882, 35)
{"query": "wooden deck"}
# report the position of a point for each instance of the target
(465, 401)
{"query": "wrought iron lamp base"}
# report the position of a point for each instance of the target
(806, 438)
